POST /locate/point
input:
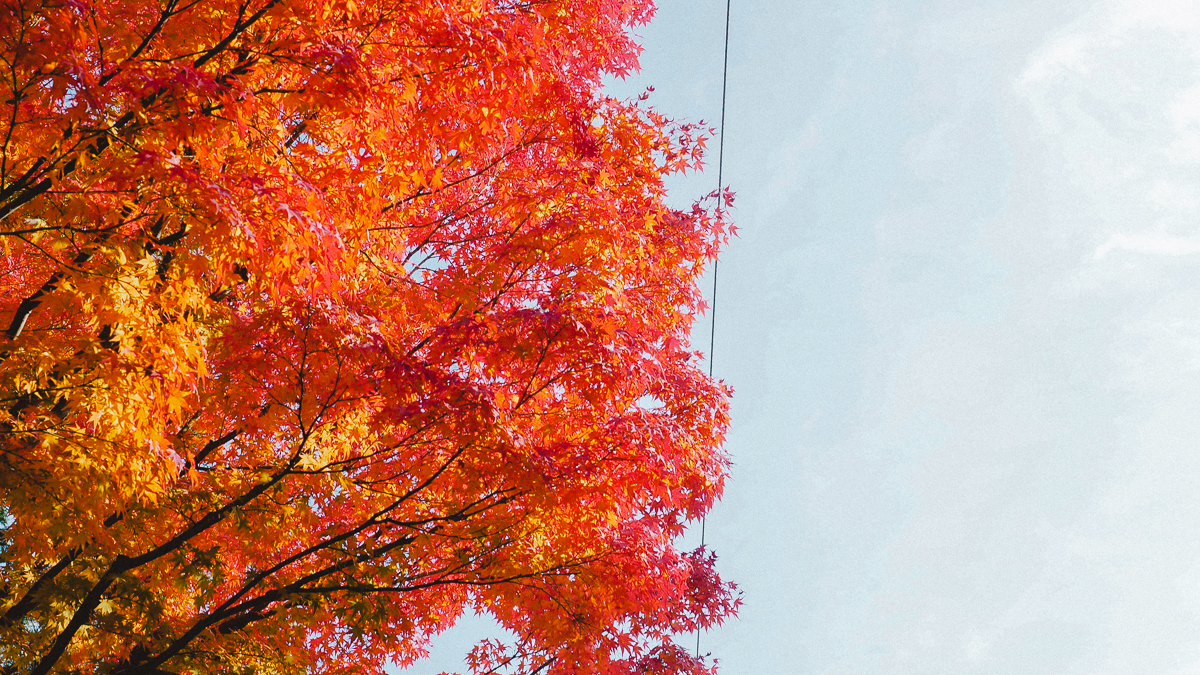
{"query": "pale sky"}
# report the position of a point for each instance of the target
(962, 321)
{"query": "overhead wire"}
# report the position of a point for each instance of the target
(712, 335)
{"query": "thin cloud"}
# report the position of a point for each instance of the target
(1149, 245)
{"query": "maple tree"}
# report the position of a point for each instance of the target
(331, 320)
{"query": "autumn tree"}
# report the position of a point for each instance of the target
(329, 320)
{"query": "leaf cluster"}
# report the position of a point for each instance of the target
(331, 320)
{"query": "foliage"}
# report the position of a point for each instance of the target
(332, 320)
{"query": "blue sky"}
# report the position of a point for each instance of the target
(962, 321)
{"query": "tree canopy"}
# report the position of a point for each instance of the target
(329, 320)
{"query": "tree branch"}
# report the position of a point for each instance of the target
(81, 616)
(238, 28)
(27, 601)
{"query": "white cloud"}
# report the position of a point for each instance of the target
(1113, 102)
(1055, 526)
(1149, 244)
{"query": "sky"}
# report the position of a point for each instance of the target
(962, 322)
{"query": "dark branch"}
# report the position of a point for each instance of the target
(238, 28)
(81, 616)
(27, 601)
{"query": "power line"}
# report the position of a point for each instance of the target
(712, 335)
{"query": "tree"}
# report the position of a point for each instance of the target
(332, 319)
